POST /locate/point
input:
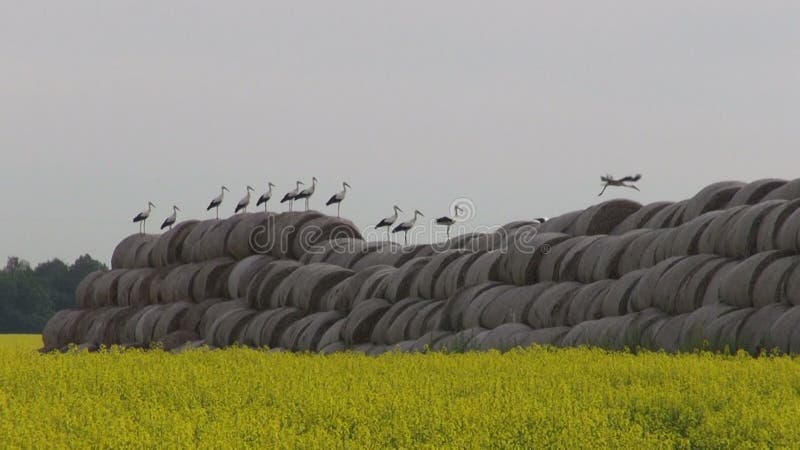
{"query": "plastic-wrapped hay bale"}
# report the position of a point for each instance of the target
(739, 286)
(520, 264)
(381, 329)
(635, 331)
(454, 275)
(789, 191)
(291, 335)
(84, 293)
(373, 287)
(128, 330)
(225, 330)
(124, 256)
(54, 326)
(377, 253)
(471, 317)
(550, 309)
(587, 304)
(309, 339)
(616, 300)
(143, 332)
(180, 339)
(168, 248)
(789, 234)
(426, 342)
(262, 290)
(178, 284)
(362, 319)
(170, 320)
(722, 332)
(253, 233)
(512, 305)
(425, 281)
(453, 311)
(214, 312)
(665, 216)
(485, 268)
(213, 243)
(191, 318)
(741, 239)
(771, 284)
(143, 256)
(755, 191)
(752, 335)
(211, 279)
(656, 251)
(502, 338)
(308, 286)
(550, 263)
(712, 240)
(603, 217)
(712, 197)
(105, 288)
(568, 268)
(241, 273)
(668, 286)
(643, 296)
(148, 290)
(414, 321)
(782, 334)
(400, 283)
(545, 336)
(342, 296)
(626, 254)
(667, 337)
(712, 293)
(694, 334)
(275, 325)
(321, 229)
(593, 256)
(126, 283)
(331, 336)
(191, 246)
(639, 219)
(458, 342)
(686, 239)
(91, 328)
(285, 229)
(771, 225)
(333, 347)
(561, 224)
(692, 292)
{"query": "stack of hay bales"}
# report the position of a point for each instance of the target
(718, 271)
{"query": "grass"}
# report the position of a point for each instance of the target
(537, 397)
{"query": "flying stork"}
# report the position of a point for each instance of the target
(266, 196)
(242, 205)
(169, 221)
(608, 180)
(291, 195)
(142, 217)
(407, 225)
(389, 221)
(307, 192)
(449, 222)
(217, 200)
(338, 197)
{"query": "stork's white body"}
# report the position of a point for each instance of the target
(291, 195)
(338, 197)
(389, 221)
(307, 192)
(407, 225)
(242, 205)
(217, 200)
(169, 221)
(142, 217)
(265, 197)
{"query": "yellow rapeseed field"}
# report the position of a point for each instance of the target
(538, 397)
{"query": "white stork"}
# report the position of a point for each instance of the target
(389, 221)
(217, 200)
(142, 217)
(407, 225)
(449, 222)
(307, 192)
(608, 180)
(338, 197)
(242, 205)
(290, 196)
(541, 220)
(169, 221)
(266, 196)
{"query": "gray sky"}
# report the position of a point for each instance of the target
(517, 105)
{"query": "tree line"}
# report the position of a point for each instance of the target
(30, 296)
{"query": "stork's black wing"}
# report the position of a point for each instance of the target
(634, 178)
(262, 199)
(332, 200)
(287, 197)
(139, 217)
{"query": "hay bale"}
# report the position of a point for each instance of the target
(179, 283)
(214, 312)
(616, 300)
(143, 332)
(611, 264)
(376, 253)
(692, 293)
(191, 318)
(647, 339)
(106, 325)
(179, 339)
(168, 247)
(502, 338)
(755, 191)
(54, 325)
(242, 272)
(362, 319)
(213, 243)
(105, 288)
(124, 255)
(739, 285)
(274, 326)
(126, 283)
(568, 268)
(603, 217)
(668, 287)
(643, 296)
(639, 325)
(333, 347)
(593, 256)
(752, 335)
(789, 191)
(771, 284)
(561, 224)
(337, 251)
(640, 218)
(587, 304)
(788, 237)
(127, 335)
(318, 230)
(712, 239)
(712, 197)
(143, 255)
(426, 342)
(771, 225)
(286, 227)
(780, 335)
(148, 290)
(741, 239)
(170, 320)
(550, 263)
(191, 246)
(342, 296)
(227, 328)
(255, 234)
(520, 264)
(401, 282)
(550, 309)
(686, 239)
(792, 286)
(722, 332)
(210, 281)
(454, 275)
(84, 293)
(331, 335)
(308, 285)
(665, 216)
(656, 251)
(667, 337)
(712, 294)
(546, 336)
(452, 313)
(484, 269)
(458, 342)
(374, 286)
(381, 330)
(269, 286)
(471, 317)
(694, 334)
(512, 306)
(427, 277)
(312, 334)
(424, 317)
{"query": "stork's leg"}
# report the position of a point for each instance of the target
(405, 233)
(265, 206)
(338, 209)
(291, 203)
(448, 232)
(604, 189)
(217, 211)
(306, 203)
(144, 226)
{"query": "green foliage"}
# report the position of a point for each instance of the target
(29, 296)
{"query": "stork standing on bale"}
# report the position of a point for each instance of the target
(338, 197)
(307, 192)
(265, 196)
(389, 221)
(541, 220)
(608, 180)
(407, 225)
(217, 200)
(169, 221)
(291, 195)
(449, 222)
(142, 217)
(242, 205)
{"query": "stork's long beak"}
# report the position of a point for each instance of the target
(348, 185)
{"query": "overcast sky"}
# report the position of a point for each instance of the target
(519, 106)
